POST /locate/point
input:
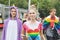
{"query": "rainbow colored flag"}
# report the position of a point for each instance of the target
(52, 23)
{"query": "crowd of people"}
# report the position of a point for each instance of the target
(30, 26)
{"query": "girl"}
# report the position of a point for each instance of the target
(12, 26)
(33, 28)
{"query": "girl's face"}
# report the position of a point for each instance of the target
(32, 14)
(13, 12)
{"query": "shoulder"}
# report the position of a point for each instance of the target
(19, 21)
(47, 17)
(57, 17)
(6, 20)
(26, 23)
(38, 22)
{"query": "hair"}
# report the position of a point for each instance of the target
(10, 10)
(53, 9)
(34, 5)
(34, 11)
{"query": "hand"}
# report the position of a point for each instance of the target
(58, 32)
(43, 37)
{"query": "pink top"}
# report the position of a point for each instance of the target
(32, 29)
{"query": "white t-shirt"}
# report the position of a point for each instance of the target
(11, 33)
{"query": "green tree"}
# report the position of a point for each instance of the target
(42, 5)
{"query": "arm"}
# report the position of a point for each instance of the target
(41, 32)
(42, 36)
(24, 32)
(4, 30)
(3, 34)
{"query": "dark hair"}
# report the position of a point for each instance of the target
(10, 10)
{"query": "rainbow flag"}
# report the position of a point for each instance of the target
(48, 22)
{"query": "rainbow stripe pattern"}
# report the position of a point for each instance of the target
(33, 33)
(48, 20)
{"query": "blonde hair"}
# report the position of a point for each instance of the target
(32, 10)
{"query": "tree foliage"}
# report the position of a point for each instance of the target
(42, 5)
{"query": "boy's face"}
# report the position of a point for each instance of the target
(53, 13)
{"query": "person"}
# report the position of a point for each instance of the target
(59, 31)
(12, 26)
(33, 28)
(25, 18)
(51, 25)
(38, 19)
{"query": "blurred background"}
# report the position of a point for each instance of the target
(42, 6)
